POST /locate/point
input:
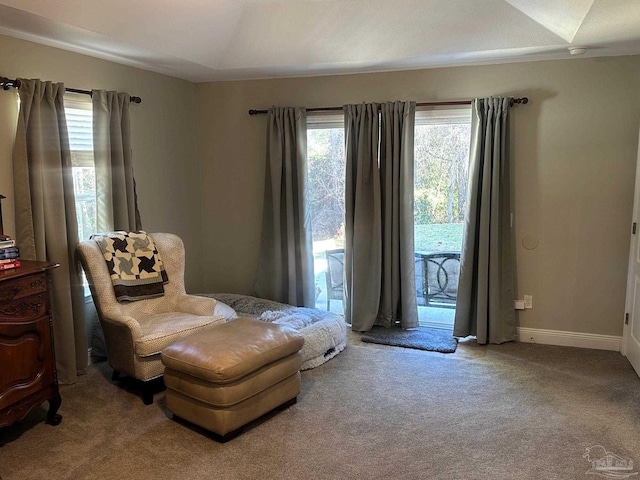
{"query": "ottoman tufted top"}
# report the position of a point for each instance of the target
(226, 353)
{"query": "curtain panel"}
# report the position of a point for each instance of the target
(379, 238)
(398, 291)
(46, 225)
(484, 305)
(363, 217)
(116, 198)
(285, 264)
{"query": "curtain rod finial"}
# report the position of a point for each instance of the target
(519, 101)
(7, 83)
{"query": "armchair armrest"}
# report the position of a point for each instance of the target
(124, 320)
(195, 305)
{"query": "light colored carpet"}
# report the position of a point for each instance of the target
(513, 411)
(422, 338)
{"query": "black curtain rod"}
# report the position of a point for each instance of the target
(523, 101)
(7, 83)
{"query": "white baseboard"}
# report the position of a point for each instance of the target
(569, 339)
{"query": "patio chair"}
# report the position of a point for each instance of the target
(437, 277)
(335, 276)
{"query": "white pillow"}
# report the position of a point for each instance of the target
(225, 311)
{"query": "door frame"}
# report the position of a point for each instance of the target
(626, 350)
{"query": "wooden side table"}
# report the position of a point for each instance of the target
(27, 362)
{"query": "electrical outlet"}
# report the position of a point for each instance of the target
(528, 301)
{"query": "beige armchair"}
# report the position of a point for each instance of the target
(136, 332)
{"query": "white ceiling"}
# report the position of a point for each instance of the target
(208, 40)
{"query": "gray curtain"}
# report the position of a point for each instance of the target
(363, 219)
(285, 266)
(116, 197)
(379, 244)
(484, 306)
(46, 225)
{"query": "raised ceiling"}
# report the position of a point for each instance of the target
(209, 40)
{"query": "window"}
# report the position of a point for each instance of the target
(442, 140)
(441, 164)
(326, 165)
(79, 113)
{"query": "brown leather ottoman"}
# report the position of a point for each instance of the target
(233, 373)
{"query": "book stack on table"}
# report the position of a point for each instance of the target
(9, 253)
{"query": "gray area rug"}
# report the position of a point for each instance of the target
(422, 338)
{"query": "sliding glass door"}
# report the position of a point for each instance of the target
(441, 168)
(441, 162)
(326, 170)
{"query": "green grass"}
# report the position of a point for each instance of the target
(438, 237)
(435, 237)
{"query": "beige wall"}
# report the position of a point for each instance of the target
(201, 176)
(166, 164)
(574, 163)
